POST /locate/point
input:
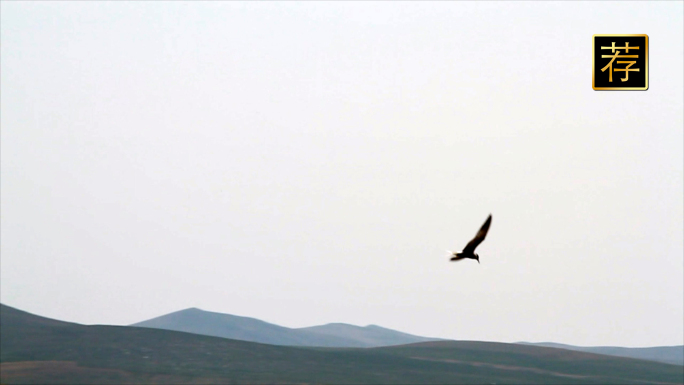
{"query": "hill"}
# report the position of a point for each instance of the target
(667, 354)
(339, 335)
(368, 336)
(38, 350)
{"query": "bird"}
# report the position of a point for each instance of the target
(469, 250)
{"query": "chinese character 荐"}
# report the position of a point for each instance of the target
(616, 55)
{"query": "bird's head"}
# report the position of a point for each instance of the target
(477, 257)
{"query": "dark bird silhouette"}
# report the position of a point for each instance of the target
(469, 250)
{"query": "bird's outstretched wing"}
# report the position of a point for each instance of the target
(470, 247)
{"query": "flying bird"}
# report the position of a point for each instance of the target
(469, 250)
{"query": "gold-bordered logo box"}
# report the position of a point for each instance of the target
(620, 62)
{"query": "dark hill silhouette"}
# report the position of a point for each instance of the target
(339, 335)
(38, 350)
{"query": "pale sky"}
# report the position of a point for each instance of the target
(307, 163)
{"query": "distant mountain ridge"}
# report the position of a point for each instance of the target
(368, 336)
(667, 354)
(339, 335)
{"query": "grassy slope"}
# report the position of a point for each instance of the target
(607, 369)
(29, 345)
(667, 354)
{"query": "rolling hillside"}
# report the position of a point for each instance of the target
(38, 350)
(338, 335)
(667, 354)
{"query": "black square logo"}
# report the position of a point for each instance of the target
(620, 62)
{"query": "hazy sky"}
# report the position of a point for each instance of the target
(306, 163)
